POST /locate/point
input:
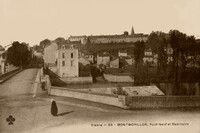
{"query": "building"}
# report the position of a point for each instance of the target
(130, 60)
(2, 54)
(50, 54)
(2, 60)
(169, 52)
(148, 56)
(88, 55)
(82, 39)
(83, 61)
(124, 38)
(122, 53)
(114, 63)
(37, 54)
(67, 61)
(103, 58)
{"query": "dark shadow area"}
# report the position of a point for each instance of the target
(65, 113)
(55, 80)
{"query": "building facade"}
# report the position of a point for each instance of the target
(148, 56)
(118, 38)
(103, 58)
(67, 61)
(82, 39)
(114, 63)
(50, 54)
(123, 38)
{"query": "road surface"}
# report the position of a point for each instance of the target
(33, 114)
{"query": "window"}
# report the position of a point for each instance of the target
(71, 55)
(56, 62)
(63, 55)
(72, 64)
(63, 63)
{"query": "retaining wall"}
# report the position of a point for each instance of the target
(77, 80)
(118, 78)
(130, 102)
(185, 88)
(162, 101)
(118, 101)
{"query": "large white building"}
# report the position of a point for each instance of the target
(67, 61)
(123, 38)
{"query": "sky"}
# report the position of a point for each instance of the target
(32, 21)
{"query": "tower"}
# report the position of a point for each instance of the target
(132, 31)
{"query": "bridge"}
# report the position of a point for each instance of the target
(33, 114)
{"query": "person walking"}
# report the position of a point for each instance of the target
(54, 108)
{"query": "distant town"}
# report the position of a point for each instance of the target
(121, 60)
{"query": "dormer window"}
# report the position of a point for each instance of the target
(71, 46)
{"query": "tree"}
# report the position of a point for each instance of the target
(139, 52)
(44, 43)
(60, 40)
(18, 54)
(177, 40)
(37, 48)
(157, 42)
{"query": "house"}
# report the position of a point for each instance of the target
(122, 53)
(2, 56)
(114, 63)
(169, 52)
(37, 54)
(83, 61)
(155, 59)
(103, 58)
(130, 60)
(2, 60)
(50, 54)
(67, 61)
(81, 39)
(148, 56)
(88, 55)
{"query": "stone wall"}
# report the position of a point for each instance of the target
(129, 102)
(118, 78)
(77, 80)
(99, 98)
(185, 88)
(139, 102)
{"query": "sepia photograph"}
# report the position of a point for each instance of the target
(99, 66)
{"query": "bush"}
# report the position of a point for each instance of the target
(120, 91)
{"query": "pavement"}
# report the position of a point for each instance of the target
(32, 115)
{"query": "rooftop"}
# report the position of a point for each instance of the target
(116, 36)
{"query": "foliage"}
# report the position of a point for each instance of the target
(37, 48)
(44, 43)
(139, 52)
(119, 91)
(157, 42)
(18, 54)
(60, 40)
